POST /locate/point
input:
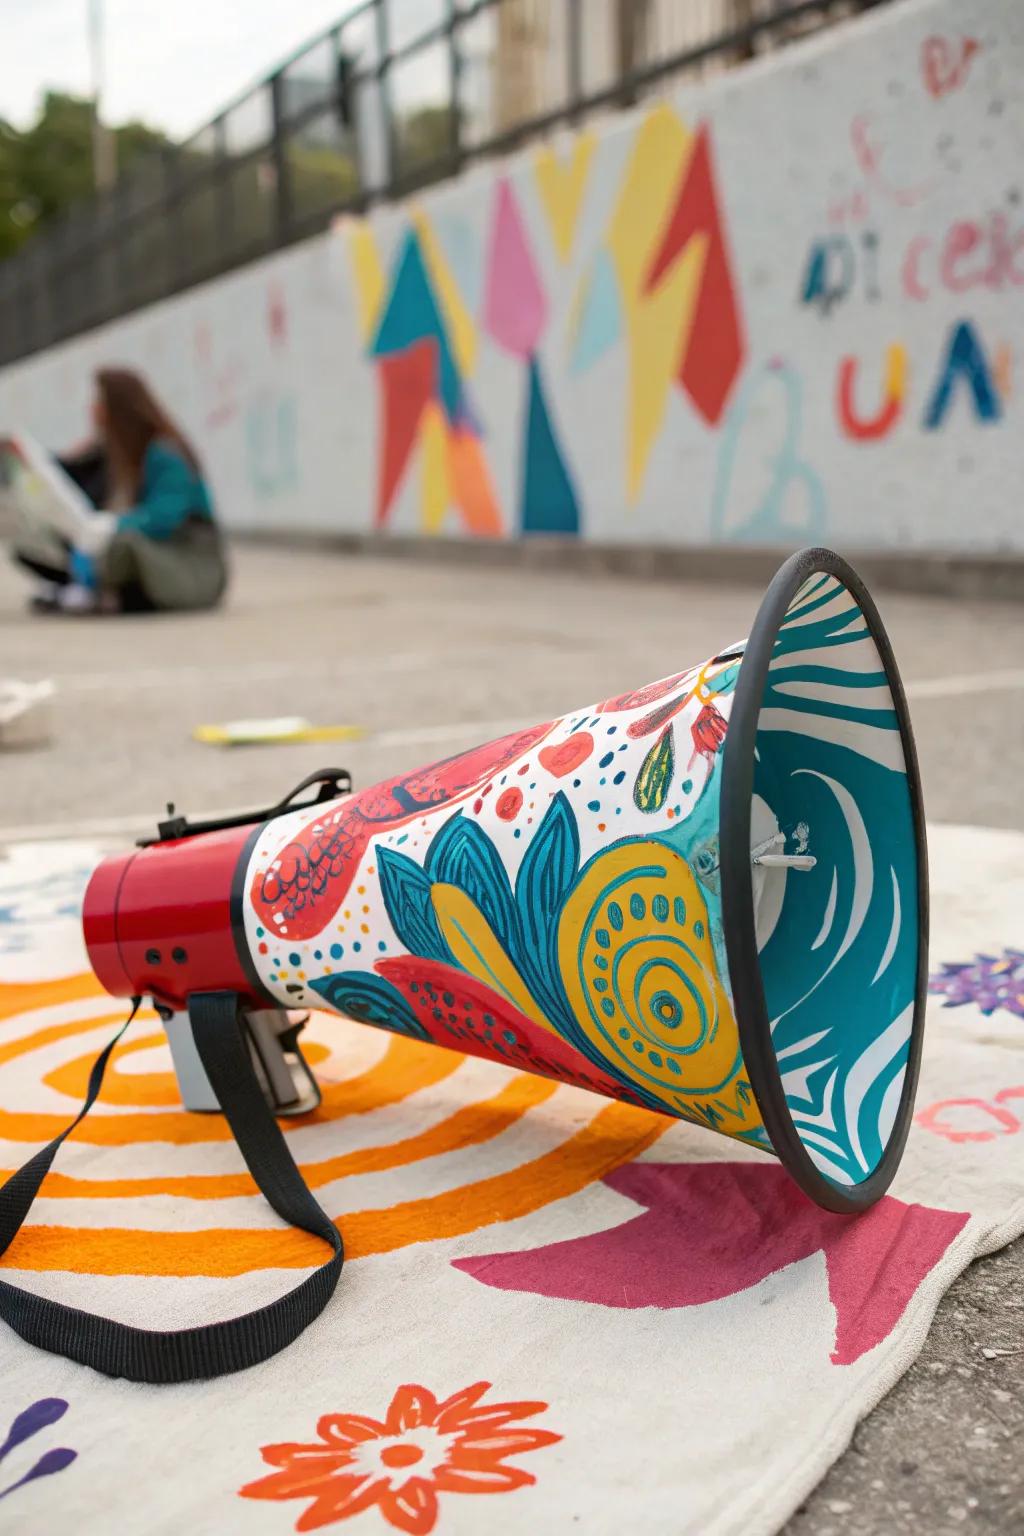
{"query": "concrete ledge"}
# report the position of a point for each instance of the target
(997, 576)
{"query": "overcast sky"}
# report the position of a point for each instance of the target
(173, 63)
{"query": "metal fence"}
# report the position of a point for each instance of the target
(398, 94)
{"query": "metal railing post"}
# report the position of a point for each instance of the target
(282, 179)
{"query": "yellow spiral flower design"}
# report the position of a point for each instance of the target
(639, 970)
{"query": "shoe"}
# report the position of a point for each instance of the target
(77, 599)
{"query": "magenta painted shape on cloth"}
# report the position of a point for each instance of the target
(711, 1230)
(515, 307)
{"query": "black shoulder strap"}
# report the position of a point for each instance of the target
(216, 1349)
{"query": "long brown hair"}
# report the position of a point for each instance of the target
(134, 419)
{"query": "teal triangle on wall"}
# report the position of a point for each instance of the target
(412, 315)
(548, 502)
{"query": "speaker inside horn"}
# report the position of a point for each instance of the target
(824, 882)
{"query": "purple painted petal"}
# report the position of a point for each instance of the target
(34, 1418)
(54, 1461)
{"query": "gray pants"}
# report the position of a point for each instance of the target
(188, 570)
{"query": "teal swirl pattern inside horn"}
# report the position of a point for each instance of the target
(837, 943)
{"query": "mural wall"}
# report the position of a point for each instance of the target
(781, 308)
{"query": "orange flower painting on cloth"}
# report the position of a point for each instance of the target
(422, 1448)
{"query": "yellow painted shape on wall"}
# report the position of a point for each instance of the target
(659, 332)
(435, 491)
(561, 184)
(457, 317)
(367, 273)
(660, 149)
(895, 371)
(657, 324)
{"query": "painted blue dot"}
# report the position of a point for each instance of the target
(698, 929)
(623, 1033)
(518, 832)
(673, 1065)
(679, 910)
(659, 906)
(654, 1058)
(606, 760)
(602, 936)
(675, 810)
(593, 805)
(600, 985)
(638, 1045)
(294, 958)
(618, 810)
(601, 962)
(637, 907)
(576, 783)
(687, 786)
(595, 721)
(382, 944)
(277, 961)
(337, 950)
(403, 839)
(508, 1035)
(615, 916)
(602, 780)
(607, 1007)
(260, 932)
(318, 954)
(612, 729)
(357, 946)
(619, 776)
(534, 784)
(624, 746)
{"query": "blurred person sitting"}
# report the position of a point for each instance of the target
(155, 545)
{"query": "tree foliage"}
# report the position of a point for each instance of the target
(48, 167)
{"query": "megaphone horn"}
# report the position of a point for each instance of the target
(707, 897)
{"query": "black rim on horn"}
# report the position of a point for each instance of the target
(737, 887)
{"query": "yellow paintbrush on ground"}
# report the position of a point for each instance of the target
(283, 730)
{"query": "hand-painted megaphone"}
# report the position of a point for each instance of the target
(707, 897)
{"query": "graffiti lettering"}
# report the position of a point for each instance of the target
(987, 254)
(270, 442)
(868, 153)
(792, 479)
(832, 268)
(866, 428)
(945, 61)
(964, 359)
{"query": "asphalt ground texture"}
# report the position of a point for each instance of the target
(431, 658)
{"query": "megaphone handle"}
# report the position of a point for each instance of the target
(215, 1349)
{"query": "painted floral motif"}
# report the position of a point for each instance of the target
(989, 981)
(422, 1448)
(31, 1421)
(603, 975)
(670, 697)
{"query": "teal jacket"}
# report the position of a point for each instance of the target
(170, 493)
